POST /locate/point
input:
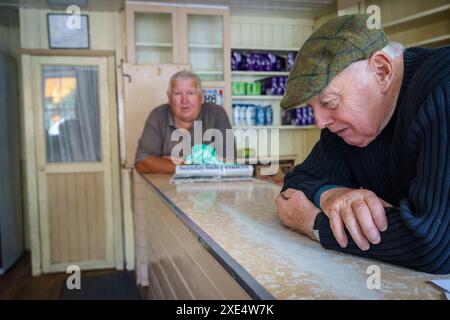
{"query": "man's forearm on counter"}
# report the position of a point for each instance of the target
(155, 164)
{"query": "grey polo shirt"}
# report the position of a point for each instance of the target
(156, 136)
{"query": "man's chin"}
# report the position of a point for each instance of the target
(360, 143)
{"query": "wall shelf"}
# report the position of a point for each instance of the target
(415, 18)
(209, 72)
(257, 97)
(260, 73)
(265, 49)
(153, 44)
(205, 46)
(434, 40)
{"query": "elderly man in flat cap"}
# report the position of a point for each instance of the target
(377, 184)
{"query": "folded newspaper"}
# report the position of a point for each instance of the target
(212, 173)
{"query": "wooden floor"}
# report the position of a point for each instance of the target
(18, 283)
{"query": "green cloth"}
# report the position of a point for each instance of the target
(202, 154)
(329, 50)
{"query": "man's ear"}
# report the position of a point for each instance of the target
(383, 67)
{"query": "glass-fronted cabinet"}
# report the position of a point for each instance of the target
(158, 34)
(205, 46)
(152, 34)
(153, 38)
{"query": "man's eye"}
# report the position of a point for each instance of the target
(191, 93)
(331, 104)
(177, 93)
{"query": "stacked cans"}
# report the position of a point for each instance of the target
(252, 115)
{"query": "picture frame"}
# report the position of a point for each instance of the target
(67, 31)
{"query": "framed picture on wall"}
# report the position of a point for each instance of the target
(68, 31)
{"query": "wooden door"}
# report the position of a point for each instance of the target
(74, 135)
(145, 88)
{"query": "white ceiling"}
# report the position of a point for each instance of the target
(283, 8)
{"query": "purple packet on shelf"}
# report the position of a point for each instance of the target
(249, 61)
(290, 60)
(236, 61)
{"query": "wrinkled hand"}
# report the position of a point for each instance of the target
(296, 211)
(360, 210)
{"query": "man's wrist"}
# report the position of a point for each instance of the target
(320, 191)
(316, 227)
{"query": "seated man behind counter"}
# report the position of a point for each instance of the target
(377, 184)
(185, 106)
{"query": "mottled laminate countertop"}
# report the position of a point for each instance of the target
(237, 222)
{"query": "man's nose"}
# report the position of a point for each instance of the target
(184, 98)
(322, 118)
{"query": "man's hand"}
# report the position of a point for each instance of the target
(360, 210)
(296, 211)
(175, 160)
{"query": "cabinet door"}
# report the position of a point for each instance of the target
(145, 88)
(152, 33)
(205, 43)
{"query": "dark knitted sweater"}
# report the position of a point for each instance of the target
(408, 165)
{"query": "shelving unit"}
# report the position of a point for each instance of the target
(419, 17)
(415, 22)
(252, 76)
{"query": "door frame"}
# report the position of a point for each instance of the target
(31, 117)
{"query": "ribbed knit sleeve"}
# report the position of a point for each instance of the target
(418, 234)
(325, 165)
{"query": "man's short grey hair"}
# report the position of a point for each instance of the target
(183, 75)
(393, 49)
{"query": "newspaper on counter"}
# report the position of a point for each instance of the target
(212, 173)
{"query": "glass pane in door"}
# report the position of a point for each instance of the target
(71, 113)
(205, 42)
(153, 38)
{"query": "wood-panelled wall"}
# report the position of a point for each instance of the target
(269, 32)
(77, 221)
(102, 26)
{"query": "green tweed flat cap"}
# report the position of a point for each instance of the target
(329, 50)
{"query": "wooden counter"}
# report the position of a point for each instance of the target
(225, 241)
